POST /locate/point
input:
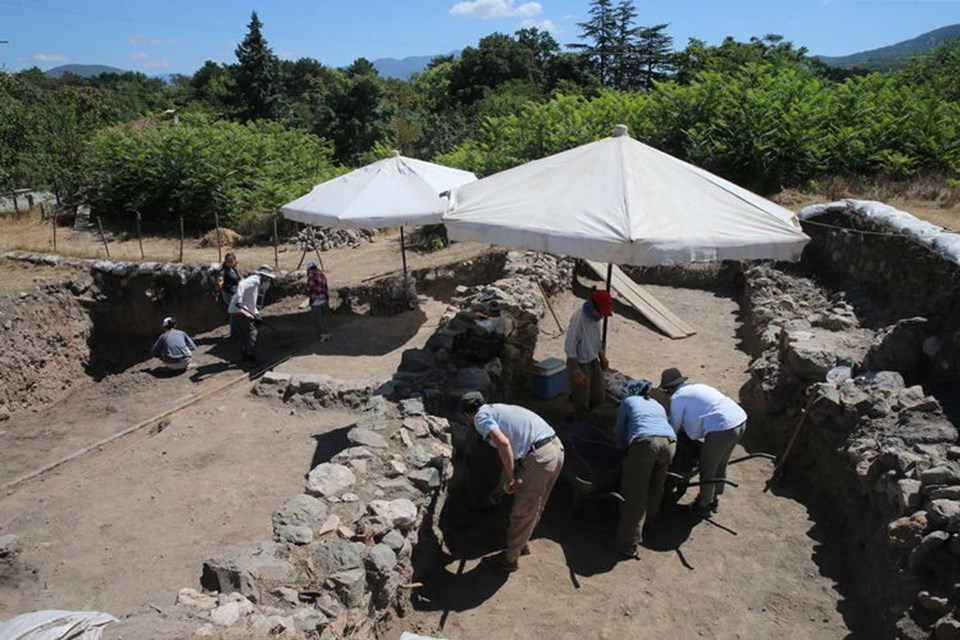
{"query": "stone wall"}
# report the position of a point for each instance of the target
(908, 266)
(346, 550)
(875, 457)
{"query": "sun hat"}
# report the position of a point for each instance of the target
(266, 271)
(637, 387)
(311, 265)
(471, 401)
(602, 302)
(168, 321)
(671, 378)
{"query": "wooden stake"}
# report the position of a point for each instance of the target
(316, 249)
(103, 237)
(276, 242)
(56, 217)
(139, 237)
(181, 240)
(216, 221)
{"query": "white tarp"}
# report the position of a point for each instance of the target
(936, 238)
(52, 624)
(393, 192)
(620, 201)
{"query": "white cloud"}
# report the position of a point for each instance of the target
(486, 9)
(543, 25)
(47, 57)
(135, 39)
(139, 55)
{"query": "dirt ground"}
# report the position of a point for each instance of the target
(122, 527)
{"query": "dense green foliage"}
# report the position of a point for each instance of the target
(199, 168)
(260, 132)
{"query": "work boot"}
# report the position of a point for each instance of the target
(500, 561)
(629, 552)
(701, 511)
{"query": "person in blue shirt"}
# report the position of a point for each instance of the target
(643, 430)
(174, 347)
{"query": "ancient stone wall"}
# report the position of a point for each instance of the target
(345, 552)
(876, 458)
(908, 266)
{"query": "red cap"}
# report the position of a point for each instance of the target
(602, 302)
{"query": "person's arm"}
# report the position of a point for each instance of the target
(505, 452)
(676, 416)
(323, 288)
(157, 350)
(190, 343)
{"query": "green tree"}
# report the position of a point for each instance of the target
(600, 32)
(355, 113)
(497, 59)
(257, 76)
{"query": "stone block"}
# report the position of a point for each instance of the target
(936, 604)
(401, 512)
(294, 521)
(367, 438)
(275, 378)
(329, 479)
(941, 512)
(334, 556)
(349, 586)
(9, 546)
(924, 554)
(907, 532)
(907, 496)
(381, 560)
(426, 479)
(941, 475)
(196, 600)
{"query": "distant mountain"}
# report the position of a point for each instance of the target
(82, 70)
(892, 58)
(403, 68)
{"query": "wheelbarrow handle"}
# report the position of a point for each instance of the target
(683, 479)
(767, 456)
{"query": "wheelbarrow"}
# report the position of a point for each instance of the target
(591, 466)
(685, 466)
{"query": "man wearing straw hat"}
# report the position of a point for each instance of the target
(243, 309)
(708, 416)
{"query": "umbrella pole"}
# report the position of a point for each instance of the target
(403, 256)
(609, 280)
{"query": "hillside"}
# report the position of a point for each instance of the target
(403, 68)
(82, 70)
(892, 57)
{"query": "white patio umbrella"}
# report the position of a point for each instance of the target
(392, 192)
(620, 201)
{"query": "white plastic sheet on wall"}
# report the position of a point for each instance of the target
(53, 624)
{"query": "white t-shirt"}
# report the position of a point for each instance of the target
(247, 292)
(700, 409)
(583, 342)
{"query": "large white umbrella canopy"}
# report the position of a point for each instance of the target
(392, 192)
(620, 201)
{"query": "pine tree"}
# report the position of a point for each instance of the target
(625, 65)
(654, 55)
(257, 75)
(600, 32)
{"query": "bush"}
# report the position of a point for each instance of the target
(197, 168)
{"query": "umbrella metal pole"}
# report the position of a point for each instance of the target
(403, 257)
(609, 280)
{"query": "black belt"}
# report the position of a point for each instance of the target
(542, 442)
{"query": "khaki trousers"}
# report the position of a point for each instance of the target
(539, 472)
(591, 395)
(716, 451)
(641, 485)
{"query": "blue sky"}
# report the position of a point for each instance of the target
(177, 36)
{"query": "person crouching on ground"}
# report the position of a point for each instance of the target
(712, 418)
(643, 430)
(244, 313)
(173, 346)
(531, 455)
(319, 298)
(584, 350)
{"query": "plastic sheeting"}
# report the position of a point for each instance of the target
(393, 192)
(620, 201)
(937, 239)
(56, 625)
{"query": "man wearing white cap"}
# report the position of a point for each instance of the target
(243, 309)
(319, 298)
(173, 346)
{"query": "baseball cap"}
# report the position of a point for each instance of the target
(601, 300)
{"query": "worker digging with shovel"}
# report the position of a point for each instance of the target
(244, 314)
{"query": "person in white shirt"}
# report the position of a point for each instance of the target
(531, 455)
(708, 416)
(243, 310)
(584, 350)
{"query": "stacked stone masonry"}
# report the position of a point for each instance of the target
(877, 454)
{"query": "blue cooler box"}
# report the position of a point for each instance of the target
(549, 378)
